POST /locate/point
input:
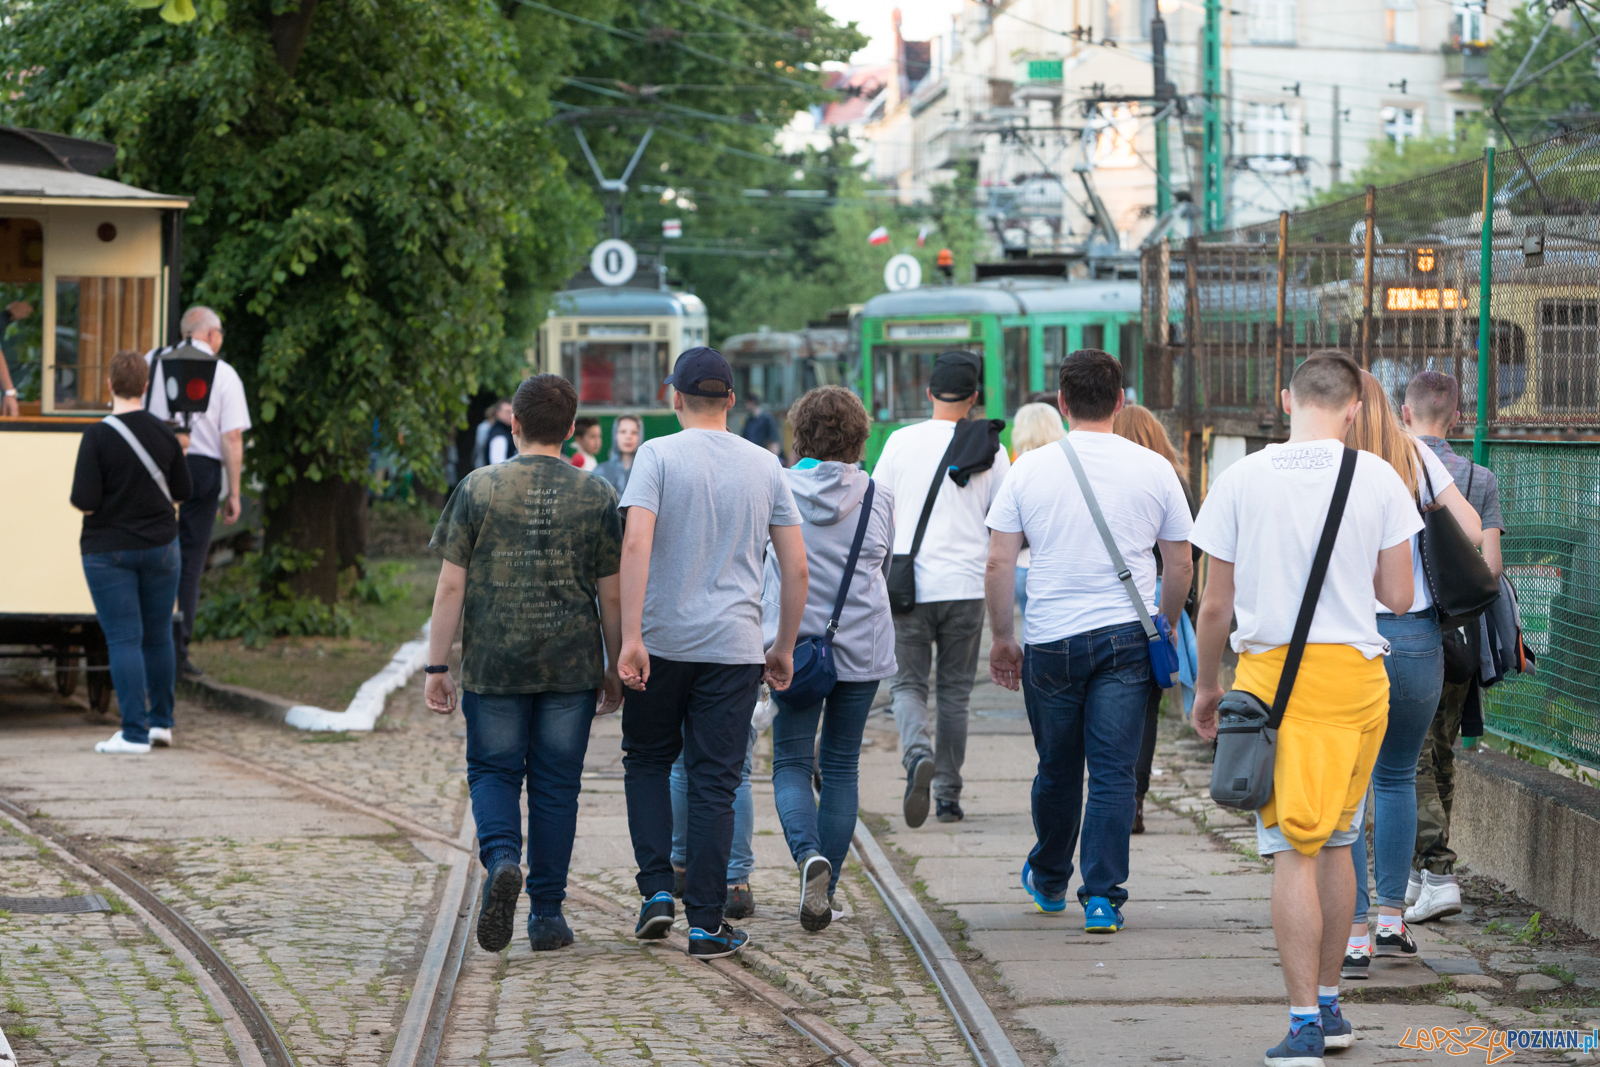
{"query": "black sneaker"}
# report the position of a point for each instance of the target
(498, 912)
(655, 918)
(1357, 963)
(948, 811)
(741, 903)
(725, 942)
(188, 669)
(1394, 944)
(918, 779)
(816, 911)
(546, 933)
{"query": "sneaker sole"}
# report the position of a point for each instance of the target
(1354, 974)
(497, 921)
(920, 799)
(1440, 912)
(549, 944)
(1294, 1061)
(1393, 954)
(1101, 929)
(724, 954)
(1339, 1041)
(815, 914)
(655, 929)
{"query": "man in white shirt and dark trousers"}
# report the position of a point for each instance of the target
(1085, 674)
(948, 568)
(215, 455)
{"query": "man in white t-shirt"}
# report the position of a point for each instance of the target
(1086, 672)
(1261, 523)
(216, 441)
(949, 580)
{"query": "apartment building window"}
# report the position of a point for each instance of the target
(1400, 23)
(1272, 21)
(1274, 131)
(1401, 124)
(1471, 24)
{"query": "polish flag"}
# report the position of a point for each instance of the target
(880, 236)
(922, 235)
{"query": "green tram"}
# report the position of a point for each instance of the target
(616, 345)
(1022, 327)
(780, 366)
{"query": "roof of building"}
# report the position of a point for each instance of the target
(37, 165)
(625, 301)
(1009, 296)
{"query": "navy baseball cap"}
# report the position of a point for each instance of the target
(701, 372)
(956, 376)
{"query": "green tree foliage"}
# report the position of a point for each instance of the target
(368, 177)
(1567, 94)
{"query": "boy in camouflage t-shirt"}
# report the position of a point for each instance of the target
(530, 547)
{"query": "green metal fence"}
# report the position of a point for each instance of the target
(1550, 494)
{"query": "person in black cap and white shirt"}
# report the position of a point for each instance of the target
(216, 441)
(949, 569)
(701, 506)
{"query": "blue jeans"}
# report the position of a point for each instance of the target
(825, 825)
(1416, 676)
(540, 737)
(1022, 604)
(742, 856)
(1086, 697)
(134, 593)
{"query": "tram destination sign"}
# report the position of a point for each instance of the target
(929, 331)
(1411, 298)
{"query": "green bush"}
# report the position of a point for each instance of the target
(252, 600)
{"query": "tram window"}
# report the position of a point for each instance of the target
(95, 319)
(1016, 366)
(1055, 350)
(1569, 356)
(21, 279)
(766, 379)
(1128, 345)
(820, 372)
(900, 380)
(1094, 337)
(616, 373)
(1510, 347)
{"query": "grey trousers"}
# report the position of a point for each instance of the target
(956, 626)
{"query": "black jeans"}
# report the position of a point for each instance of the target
(703, 710)
(1147, 750)
(196, 516)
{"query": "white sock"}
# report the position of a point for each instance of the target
(1327, 991)
(1364, 941)
(1389, 924)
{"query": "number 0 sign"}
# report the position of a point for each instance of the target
(613, 262)
(902, 272)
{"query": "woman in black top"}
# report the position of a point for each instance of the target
(130, 552)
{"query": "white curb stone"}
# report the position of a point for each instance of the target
(364, 710)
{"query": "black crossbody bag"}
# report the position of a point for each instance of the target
(1459, 580)
(1247, 730)
(903, 567)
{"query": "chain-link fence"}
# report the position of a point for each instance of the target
(1394, 277)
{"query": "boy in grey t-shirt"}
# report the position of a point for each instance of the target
(704, 504)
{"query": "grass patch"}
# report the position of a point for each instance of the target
(15, 1006)
(28, 1030)
(1559, 973)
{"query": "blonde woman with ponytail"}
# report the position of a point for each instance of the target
(1034, 426)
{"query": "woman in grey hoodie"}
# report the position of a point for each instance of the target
(627, 433)
(830, 432)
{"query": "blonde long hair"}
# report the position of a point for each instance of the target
(1136, 423)
(1378, 431)
(1035, 426)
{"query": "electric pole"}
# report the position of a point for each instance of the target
(1335, 163)
(1165, 93)
(1211, 89)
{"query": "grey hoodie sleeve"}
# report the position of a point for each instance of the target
(884, 499)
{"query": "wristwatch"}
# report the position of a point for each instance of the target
(10, 392)
(436, 668)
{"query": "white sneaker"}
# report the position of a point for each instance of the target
(1440, 897)
(1413, 884)
(161, 736)
(117, 746)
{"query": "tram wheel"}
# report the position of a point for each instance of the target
(98, 682)
(66, 672)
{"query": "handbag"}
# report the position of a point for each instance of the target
(1247, 730)
(1459, 580)
(815, 673)
(903, 567)
(1157, 631)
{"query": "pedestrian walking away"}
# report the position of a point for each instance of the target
(1034, 426)
(1431, 411)
(1137, 424)
(626, 433)
(701, 506)
(1085, 674)
(760, 428)
(1415, 665)
(741, 901)
(215, 455)
(532, 548)
(1261, 524)
(130, 472)
(942, 474)
(499, 443)
(845, 519)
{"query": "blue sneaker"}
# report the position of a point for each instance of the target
(725, 942)
(497, 912)
(546, 933)
(655, 917)
(1302, 1048)
(1336, 1029)
(1040, 901)
(1099, 917)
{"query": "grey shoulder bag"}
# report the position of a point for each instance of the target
(140, 451)
(1247, 730)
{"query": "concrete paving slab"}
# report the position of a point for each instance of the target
(1142, 943)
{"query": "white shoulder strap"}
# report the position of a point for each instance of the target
(140, 451)
(1124, 575)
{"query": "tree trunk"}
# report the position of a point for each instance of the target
(351, 524)
(307, 522)
(289, 33)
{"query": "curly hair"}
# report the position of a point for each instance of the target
(829, 424)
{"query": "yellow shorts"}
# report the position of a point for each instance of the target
(1329, 739)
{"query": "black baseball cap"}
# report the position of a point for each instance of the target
(701, 364)
(956, 376)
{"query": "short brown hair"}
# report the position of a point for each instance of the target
(830, 424)
(544, 406)
(129, 374)
(1434, 395)
(1328, 379)
(1091, 381)
(706, 405)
